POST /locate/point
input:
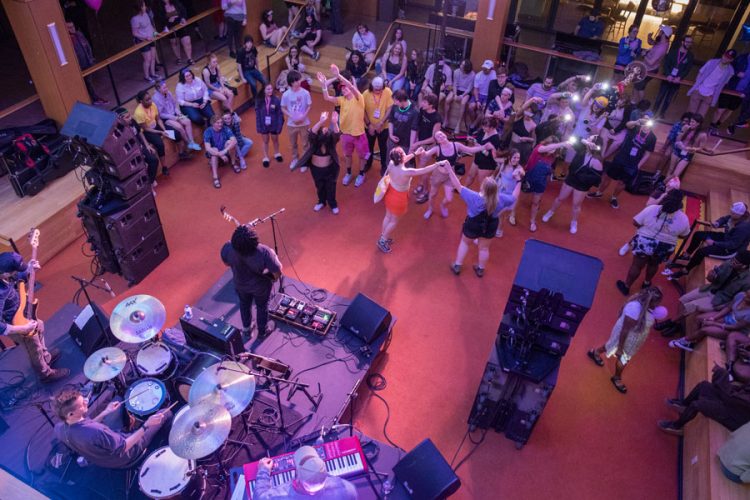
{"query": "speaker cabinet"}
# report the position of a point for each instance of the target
(131, 226)
(90, 330)
(365, 318)
(134, 163)
(97, 237)
(102, 129)
(425, 474)
(144, 258)
(130, 187)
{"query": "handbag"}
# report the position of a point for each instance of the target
(381, 188)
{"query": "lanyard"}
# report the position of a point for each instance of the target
(680, 59)
(268, 105)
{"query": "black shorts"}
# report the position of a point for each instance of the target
(617, 172)
(729, 102)
(474, 228)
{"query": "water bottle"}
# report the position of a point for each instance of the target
(188, 314)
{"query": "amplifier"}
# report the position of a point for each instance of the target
(205, 331)
(301, 314)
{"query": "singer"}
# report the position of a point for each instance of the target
(254, 269)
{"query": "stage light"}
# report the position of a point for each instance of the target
(576, 98)
(605, 85)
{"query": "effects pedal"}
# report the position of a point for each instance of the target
(301, 314)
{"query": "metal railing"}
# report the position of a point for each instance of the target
(275, 51)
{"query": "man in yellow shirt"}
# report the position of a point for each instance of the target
(378, 102)
(352, 123)
(146, 115)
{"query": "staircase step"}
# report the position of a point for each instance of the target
(719, 202)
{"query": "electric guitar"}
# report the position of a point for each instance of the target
(27, 309)
(234, 220)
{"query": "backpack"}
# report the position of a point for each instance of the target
(28, 151)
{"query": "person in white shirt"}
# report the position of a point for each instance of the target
(192, 96)
(711, 79)
(295, 104)
(142, 28)
(364, 42)
(463, 87)
(481, 90)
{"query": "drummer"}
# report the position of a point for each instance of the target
(95, 441)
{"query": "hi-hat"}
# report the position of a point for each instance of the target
(228, 384)
(104, 364)
(137, 319)
(200, 431)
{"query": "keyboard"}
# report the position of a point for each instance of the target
(343, 458)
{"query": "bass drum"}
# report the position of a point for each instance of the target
(198, 365)
(165, 475)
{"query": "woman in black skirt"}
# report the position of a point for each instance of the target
(323, 161)
(483, 211)
(269, 120)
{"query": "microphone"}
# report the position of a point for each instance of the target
(107, 287)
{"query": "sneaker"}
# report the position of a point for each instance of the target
(499, 233)
(675, 404)
(624, 289)
(243, 164)
(677, 275)
(663, 325)
(428, 214)
(278, 158)
(384, 246)
(682, 343)
(55, 375)
(614, 203)
(532, 227)
(595, 194)
(512, 220)
(573, 227)
(335, 211)
(303, 169)
(456, 268)
(443, 211)
(422, 198)
(731, 129)
(346, 180)
(624, 249)
(194, 146)
(293, 164)
(667, 272)
(359, 180)
(669, 427)
(318, 207)
(266, 163)
(479, 271)
(546, 217)
(316, 55)
(742, 125)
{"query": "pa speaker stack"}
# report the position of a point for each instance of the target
(119, 212)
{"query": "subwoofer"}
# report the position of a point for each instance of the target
(366, 319)
(425, 474)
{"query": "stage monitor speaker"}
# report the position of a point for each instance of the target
(204, 331)
(365, 318)
(86, 331)
(103, 129)
(425, 474)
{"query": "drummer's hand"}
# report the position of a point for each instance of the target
(112, 407)
(154, 420)
(266, 463)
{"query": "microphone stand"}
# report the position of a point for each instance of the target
(83, 284)
(272, 217)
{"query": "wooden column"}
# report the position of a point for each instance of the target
(488, 34)
(59, 85)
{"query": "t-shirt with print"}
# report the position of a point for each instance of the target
(661, 226)
(248, 59)
(404, 121)
(297, 104)
(352, 115)
(426, 123)
(633, 148)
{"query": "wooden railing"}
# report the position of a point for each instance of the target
(18, 106)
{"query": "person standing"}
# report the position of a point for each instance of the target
(402, 122)
(630, 332)
(727, 103)
(295, 104)
(378, 102)
(711, 79)
(269, 120)
(653, 58)
(85, 58)
(142, 28)
(255, 267)
(235, 17)
(629, 48)
(323, 160)
(677, 65)
(247, 66)
(428, 123)
(13, 269)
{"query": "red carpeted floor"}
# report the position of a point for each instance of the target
(591, 441)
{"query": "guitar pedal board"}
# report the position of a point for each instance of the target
(301, 314)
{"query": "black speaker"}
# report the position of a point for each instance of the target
(204, 331)
(103, 129)
(425, 474)
(131, 226)
(144, 258)
(365, 318)
(86, 332)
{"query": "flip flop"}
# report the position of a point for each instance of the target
(617, 382)
(595, 358)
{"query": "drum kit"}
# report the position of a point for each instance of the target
(215, 392)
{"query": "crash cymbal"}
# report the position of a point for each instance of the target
(200, 431)
(137, 319)
(228, 384)
(104, 364)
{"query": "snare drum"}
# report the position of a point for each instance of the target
(165, 475)
(197, 366)
(145, 397)
(155, 359)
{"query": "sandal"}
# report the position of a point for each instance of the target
(595, 357)
(217, 184)
(266, 163)
(236, 168)
(617, 382)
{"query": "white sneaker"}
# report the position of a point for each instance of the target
(573, 227)
(293, 165)
(624, 249)
(499, 233)
(318, 207)
(359, 180)
(335, 211)
(546, 217)
(512, 220)
(428, 214)
(346, 180)
(303, 169)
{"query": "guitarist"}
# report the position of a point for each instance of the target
(11, 270)
(254, 269)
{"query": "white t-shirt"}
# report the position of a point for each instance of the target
(463, 82)
(482, 81)
(662, 227)
(632, 310)
(364, 43)
(298, 105)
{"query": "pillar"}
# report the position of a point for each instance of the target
(489, 33)
(58, 83)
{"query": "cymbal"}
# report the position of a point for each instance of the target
(137, 319)
(228, 384)
(105, 364)
(200, 431)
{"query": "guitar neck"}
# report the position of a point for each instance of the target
(32, 284)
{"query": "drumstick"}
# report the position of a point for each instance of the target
(171, 406)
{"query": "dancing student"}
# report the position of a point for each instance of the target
(674, 132)
(501, 107)
(630, 332)
(508, 174)
(484, 162)
(591, 118)
(537, 174)
(449, 151)
(169, 15)
(220, 143)
(192, 96)
(402, 122)
(270, 32)
(216, 83)
(658, 228)
(483, 211)
(143, 29)
(269, 120)
(690, 140)
(394, 67)
(428, 123)
(296, 103)
(323, 161)
(357, 66)
(463, 85)
(522, 136)
(614, 130)
(733, 317)
(378, 102)
(396, 198)
(415, 71)
(167, 105)
(247, 66)
(585, 172)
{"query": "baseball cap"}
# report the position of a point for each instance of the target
(487, 64)
(739, 208)
(11, 262)
(377, 83)
(667, 30)
(731, 54)
(601, 101)
(311, 469)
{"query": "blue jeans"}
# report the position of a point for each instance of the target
(197, 115)
(395, 85)
(244, 145)
(412, 90)
(253, 76)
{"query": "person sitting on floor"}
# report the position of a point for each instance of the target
(364, 42)
(270, 32)
(736, 236)
(220, 143)
(311, 34)
(232, 121)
